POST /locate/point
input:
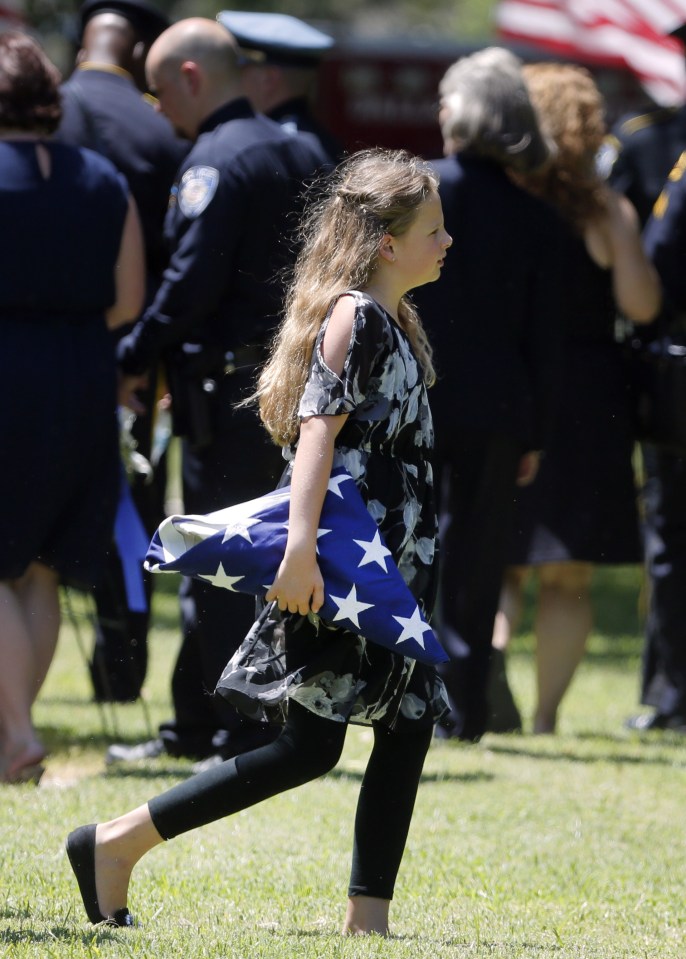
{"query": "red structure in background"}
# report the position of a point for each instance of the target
(10, 18)
(384, 92)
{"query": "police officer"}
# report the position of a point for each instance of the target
(105, 109)
(647, 147)
(664, 668)
(228, 225)
(279, 57)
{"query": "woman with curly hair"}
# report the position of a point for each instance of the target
(581, 510)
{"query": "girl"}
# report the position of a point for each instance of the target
(345, 385)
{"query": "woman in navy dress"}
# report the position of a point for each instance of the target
(71, 256)
(581, 509)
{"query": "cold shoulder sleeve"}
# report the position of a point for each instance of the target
(327, 394)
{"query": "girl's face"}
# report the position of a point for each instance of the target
(419, 253)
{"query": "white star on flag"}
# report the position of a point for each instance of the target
(374, 551)
(320, 533)
(349, 607)
(240, 528)
(335, 483)
(221, 578)
(413, 628)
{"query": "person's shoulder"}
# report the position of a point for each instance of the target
(235, 136)
(671, 199)
(85, 158)
(642, 125)
(89, 169)
(99, 83)
(257, 146)
(342, 313)
(367, 314)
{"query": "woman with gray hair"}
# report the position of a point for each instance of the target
(491, 320)
(486, 110)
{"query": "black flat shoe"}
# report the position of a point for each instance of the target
(81, 852)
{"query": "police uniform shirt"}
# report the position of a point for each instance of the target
(104, 111)
(232, 209)
(665, 235)
(644, 149)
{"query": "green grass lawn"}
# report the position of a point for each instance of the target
(521, 846)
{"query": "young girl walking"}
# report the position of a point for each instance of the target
(345, 385)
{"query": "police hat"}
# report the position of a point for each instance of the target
(146, 19)
(275, 38)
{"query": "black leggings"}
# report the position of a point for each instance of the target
(308, 747)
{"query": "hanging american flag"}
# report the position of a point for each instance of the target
(241, 547)
(624, 33)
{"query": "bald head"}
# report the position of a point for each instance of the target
(111, 38)
(192, 69)
(201, 41)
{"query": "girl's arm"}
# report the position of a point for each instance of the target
(299, 586)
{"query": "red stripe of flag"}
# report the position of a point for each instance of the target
(625, 33)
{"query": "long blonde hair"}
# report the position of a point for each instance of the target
(372, 193)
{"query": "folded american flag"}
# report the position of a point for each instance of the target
(241, 548)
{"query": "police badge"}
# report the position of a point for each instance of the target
(198, 186)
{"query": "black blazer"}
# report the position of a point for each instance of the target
(492, 316)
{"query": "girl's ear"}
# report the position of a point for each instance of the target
(386, 248)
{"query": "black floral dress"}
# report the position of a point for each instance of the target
(385, 445)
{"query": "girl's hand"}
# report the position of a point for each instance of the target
(298, 587)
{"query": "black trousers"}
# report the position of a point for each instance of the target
(308, 747)
(240, 464)
(664, 656)
(477, 474)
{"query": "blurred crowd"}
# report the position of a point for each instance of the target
(148, 223)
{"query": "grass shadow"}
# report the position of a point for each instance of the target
(451, 942)
(569, 755)
(439, 777)
(55, 934)
(149, 771)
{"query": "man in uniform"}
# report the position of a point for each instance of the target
(279, 57)
(647, 147)
(105, 108)
(228, 230)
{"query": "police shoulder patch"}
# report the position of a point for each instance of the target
(196, 189)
